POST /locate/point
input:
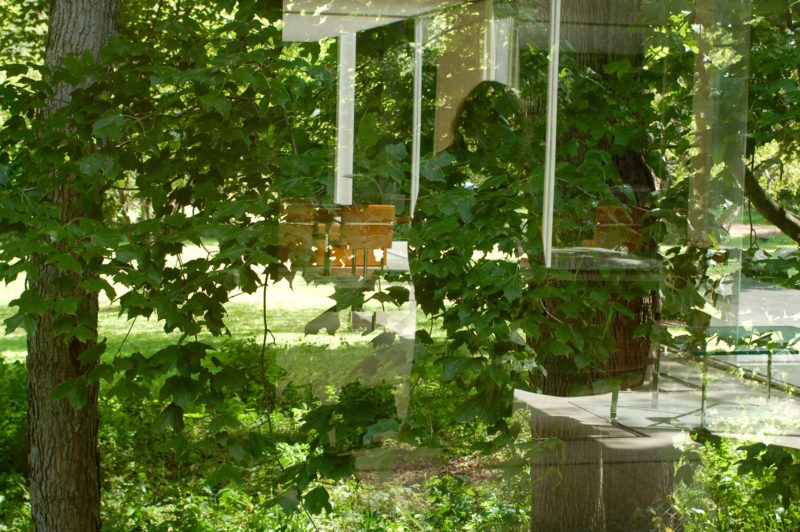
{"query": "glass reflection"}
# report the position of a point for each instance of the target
(555, 185)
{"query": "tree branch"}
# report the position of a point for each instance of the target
(784, 220)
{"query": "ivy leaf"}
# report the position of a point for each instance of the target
(217, 102)
(367, 135)
(14, 69)
(288, 500)
(317, 500)
(75, 390)
(92, 353)
(225, 473)
(97, 163)
(430, 167)
(110, 127)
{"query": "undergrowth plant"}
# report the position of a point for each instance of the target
(729, 485)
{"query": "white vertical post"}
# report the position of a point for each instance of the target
(552, 118)
(504, 52)
(417, 118)
(345, 120)
(515, 58)
(486, 55)
(490, 51)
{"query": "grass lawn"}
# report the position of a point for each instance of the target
(770, 243)
(144, 487)
(288, 312)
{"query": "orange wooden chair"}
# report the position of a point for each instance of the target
(364, 229)
(296, 231)
(616, 226)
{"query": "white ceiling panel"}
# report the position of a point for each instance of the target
(313, 20)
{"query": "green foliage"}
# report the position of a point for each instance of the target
(152, 481)
(779, 267)
(13, 425)
(15, 513)
(478, 264)
(197, 121)
(727, 486)
(455, 505)
(13, 442)
(186, 125)
(23, 26)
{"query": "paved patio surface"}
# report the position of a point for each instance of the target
(763, 306)
(733, 405)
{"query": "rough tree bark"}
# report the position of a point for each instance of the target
(64, 462)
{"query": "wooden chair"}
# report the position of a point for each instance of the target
(364, 229)
(296, 231)
(616, 226)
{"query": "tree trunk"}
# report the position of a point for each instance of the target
(64, 462)
(627, 362)
(590, 495)
(774, 213)
(601, 33)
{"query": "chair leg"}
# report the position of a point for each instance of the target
(614, 401)
(769, 375)
(703, 390)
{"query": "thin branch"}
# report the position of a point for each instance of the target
(262, 362)
(548, 312)
(124, 340)
(291, 130)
